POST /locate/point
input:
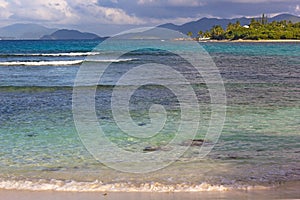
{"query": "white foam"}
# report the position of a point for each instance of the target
(59, 62)
(60, 54)
(112, 60)
(98, 186)
(41, 63)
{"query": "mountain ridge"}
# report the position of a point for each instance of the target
(24, 31)
(35, 31)
(205, 24)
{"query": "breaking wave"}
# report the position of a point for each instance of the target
(58, 62)
(98, 186)
(65, 54)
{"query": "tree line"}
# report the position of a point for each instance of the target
(256, 30)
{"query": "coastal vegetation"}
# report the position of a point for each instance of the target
(258, 29)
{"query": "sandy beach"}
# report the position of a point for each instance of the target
(250, 41)
(286, 191)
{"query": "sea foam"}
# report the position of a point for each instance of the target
(41, 63)
(98, 186)
(64, 54)
(59, 62)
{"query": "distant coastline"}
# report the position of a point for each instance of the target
(257, 30)
(240, 40)
(250, 41)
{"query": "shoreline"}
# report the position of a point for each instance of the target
(285, 191)
(288, 190)
(251, 41)
(238, 41)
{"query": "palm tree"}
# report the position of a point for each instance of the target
(190, 34)
(207, 34)
(200, 34)
(237, 24)
(217, 32)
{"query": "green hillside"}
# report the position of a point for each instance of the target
(256, 30)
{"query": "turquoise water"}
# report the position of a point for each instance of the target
(259, 144)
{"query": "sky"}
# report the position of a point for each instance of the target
(107, 17)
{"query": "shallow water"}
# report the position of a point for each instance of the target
(259, 144)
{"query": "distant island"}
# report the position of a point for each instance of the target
(21, 31)
(65, 34)
(39, 32)
(258, 29)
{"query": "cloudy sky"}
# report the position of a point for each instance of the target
(111, 16)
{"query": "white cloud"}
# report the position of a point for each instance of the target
(187, 3)
(39, 10)
(118, 16)
(256, 1)
(141, 2)
(64, 12)
(3, 4)
(90, 11)
(4, 13)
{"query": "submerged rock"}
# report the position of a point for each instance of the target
(33, 134)
(149, 149)
(193, 142)
(142, 124)
(52, 169)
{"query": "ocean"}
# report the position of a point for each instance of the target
(41, 149)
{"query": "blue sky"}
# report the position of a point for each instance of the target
(111, 16)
